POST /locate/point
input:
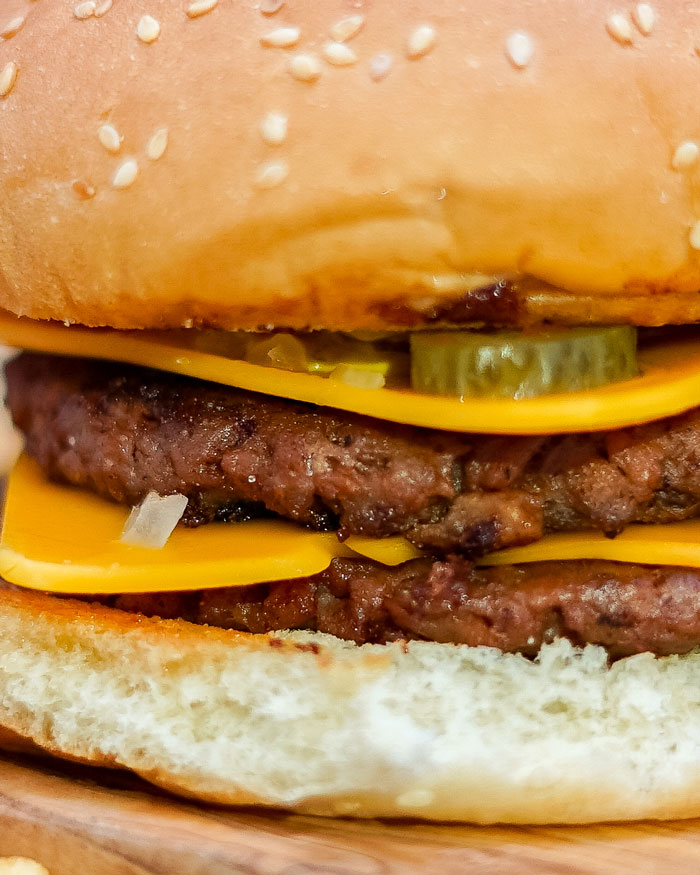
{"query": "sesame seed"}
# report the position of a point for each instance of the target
(110, 139)
(685, 155)
(126, 174)
(415, 799)
(281, 38)
(83, 190)
(644, 17)
(103, 8)
(85, 10)
(148, 29)
(695, 236)
(157, 144)
(520, 49)
(339, 54)
(619, 28)
(305, 68)
(269, 7)
(380, 66)
(271, 174)
(200, 7)
(421, 41)
(347, 28)
(13, 26)
(346, 807)
(8, 77)
(273, 128)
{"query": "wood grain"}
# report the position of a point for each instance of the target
(81, 821)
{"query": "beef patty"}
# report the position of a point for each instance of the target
(625, 608)
(124, 431)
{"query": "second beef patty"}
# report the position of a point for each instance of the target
(124, 431)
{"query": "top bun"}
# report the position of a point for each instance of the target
(144, 183)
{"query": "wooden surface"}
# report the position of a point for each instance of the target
(79, 821)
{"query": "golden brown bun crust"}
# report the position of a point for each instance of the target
(453, 164)
(313, 724)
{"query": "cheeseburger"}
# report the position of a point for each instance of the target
(361, 401)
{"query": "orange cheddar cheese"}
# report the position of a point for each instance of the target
(64, 540)
(669, 382)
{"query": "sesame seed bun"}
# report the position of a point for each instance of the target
(348, 166)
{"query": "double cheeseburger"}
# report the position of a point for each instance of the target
(360, 401)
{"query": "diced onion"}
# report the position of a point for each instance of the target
(358, 377)
(152, 522)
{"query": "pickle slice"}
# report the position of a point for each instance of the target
(511, 364)
(281, 350)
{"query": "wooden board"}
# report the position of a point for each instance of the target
(80, 821)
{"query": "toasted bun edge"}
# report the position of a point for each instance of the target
(312, 724)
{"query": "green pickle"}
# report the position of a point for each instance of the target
(511, 364)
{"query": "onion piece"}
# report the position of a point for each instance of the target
(152, 522)
(358, 377)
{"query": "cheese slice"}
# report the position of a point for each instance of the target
(668, 544)
(387, 551)
(66, 540)
(669, 382)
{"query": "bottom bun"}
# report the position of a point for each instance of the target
(317, 725)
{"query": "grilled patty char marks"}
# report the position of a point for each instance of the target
(124, 431)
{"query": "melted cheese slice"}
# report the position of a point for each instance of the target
(387, 551)
(669, 383)
(669, 544)
(65, 540)
(61, 539)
